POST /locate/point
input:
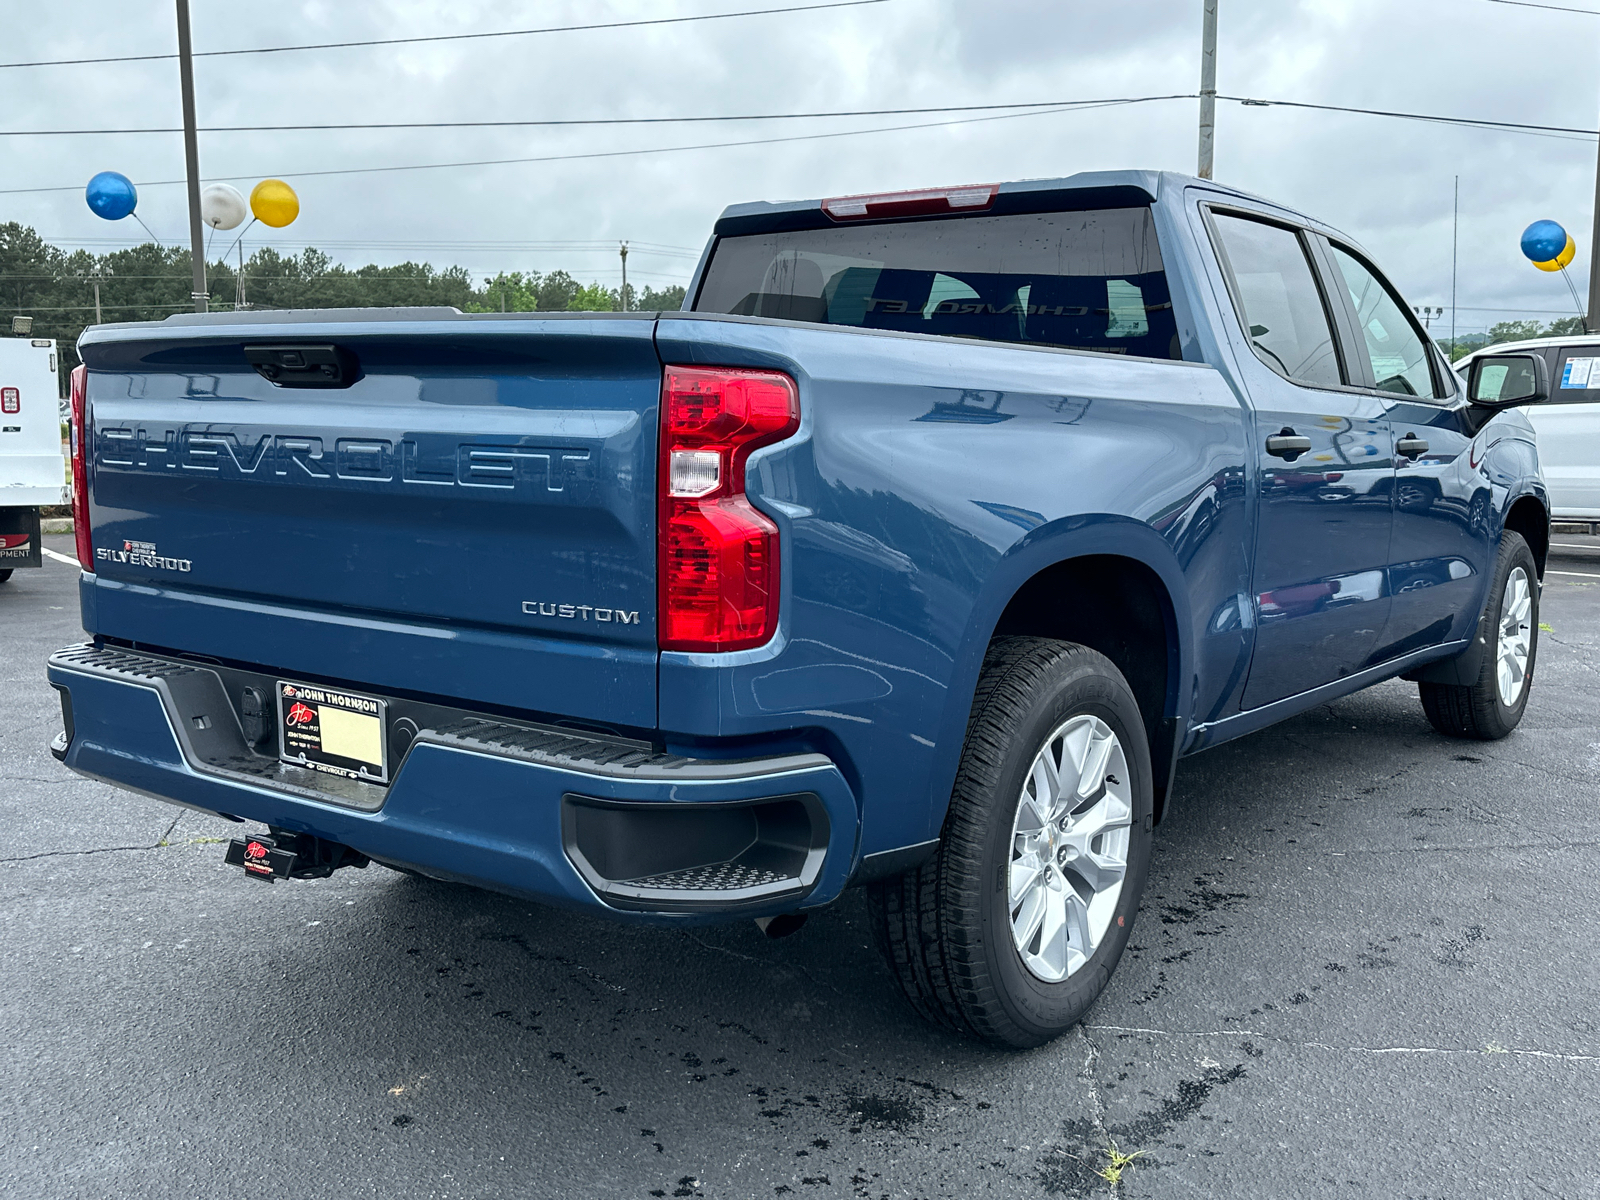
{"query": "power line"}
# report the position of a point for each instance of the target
(1077, 106)
(1511, 126)
(445, 37)
(1044, 108)
(583, 121)
(1552, 7)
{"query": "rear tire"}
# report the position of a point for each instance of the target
(1492, 707)
(966, 952)
(6, 574)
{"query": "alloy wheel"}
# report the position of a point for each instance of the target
(1069, 847)
(1516, 637)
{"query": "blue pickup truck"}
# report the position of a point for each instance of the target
(913, 553)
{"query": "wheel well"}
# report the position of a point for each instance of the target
(1119, 607)
(1529, 518)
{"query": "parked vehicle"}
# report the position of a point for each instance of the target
(1568, 426)
(913, 554)
(31, 470)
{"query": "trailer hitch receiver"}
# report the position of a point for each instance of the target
(283, 854)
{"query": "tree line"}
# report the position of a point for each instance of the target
(149, 283)
(1511, 331)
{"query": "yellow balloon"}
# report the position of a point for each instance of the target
(274, 203)
(1562, 259)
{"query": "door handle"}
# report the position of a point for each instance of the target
(1288, 445)
(1411, 446)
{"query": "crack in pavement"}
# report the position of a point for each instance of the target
(160, 843)
(1554, 843)
(1491, 1049)
(72, 853)
(1097, 1103)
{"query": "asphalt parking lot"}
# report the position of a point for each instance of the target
(1366, 965)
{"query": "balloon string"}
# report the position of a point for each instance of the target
(240, 238)
(1573, 289)
(146, 228)
(209, 236)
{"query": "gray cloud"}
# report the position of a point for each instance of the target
(1388, 183)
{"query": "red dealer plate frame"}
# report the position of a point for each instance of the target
(333, 731)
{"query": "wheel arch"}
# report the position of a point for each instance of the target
(1529, 517)
(1112, 585)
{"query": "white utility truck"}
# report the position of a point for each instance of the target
(31, 467)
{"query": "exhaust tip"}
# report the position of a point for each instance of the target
(782, 925)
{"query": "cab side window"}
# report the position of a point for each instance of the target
(1577, 376)
(1279, 302)
(1391, 340)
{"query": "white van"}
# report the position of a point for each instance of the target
(1568, 424)
(32, 471)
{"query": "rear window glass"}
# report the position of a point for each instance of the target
(1083, 280)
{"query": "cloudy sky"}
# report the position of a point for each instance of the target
(1387, 182)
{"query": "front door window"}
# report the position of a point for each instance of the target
(1396, 349)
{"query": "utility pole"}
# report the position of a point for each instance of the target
(1455, 240)
(98, 319)
(623, 247)
(191, 157)
(1208, 89)
(1591, 322)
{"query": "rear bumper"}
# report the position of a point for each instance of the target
(515, 808)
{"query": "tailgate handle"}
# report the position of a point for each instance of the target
(305, 366)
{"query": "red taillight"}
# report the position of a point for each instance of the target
(925, 203)
(79, 433)
(719, 555)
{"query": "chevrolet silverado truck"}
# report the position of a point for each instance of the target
(913, 553)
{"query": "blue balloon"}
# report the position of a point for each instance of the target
(112, 195)
(1543, 240)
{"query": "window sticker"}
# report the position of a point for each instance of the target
(1581, 373)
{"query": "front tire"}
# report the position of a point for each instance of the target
(1493, 705)
(6, 574)
(1010, 932)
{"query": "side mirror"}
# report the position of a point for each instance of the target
(1508, 380)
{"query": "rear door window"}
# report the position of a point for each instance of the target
(1577, 375)
(1280, 305)
(1089, 280)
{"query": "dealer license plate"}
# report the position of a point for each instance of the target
(341, 733)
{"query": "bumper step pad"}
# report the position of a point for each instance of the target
(644, 829)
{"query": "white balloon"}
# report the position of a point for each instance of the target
(222, 207)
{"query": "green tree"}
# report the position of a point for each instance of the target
(556, 291)
(508, 292)
(151, 282)
(1515, 331)
(1565, 327)
(593, 298)
(654, 300)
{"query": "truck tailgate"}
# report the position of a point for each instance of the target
(475, 513)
